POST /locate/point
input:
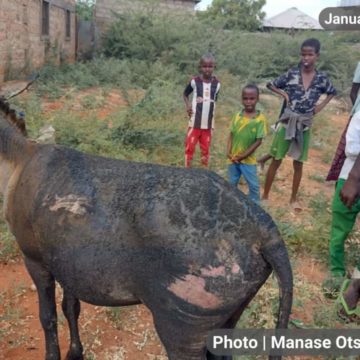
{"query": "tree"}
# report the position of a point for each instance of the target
(236, 14)
(85, 9)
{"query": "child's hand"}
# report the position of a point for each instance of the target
(230, 157)
(189, 111)
(317, 109)
(238, 158)
(286, 98)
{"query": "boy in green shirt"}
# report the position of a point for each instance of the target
(248, 128)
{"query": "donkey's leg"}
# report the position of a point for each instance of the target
(229, 324)
(71, 309)
(45, 285)
(181, 341)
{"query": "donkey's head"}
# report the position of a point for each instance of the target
(10, 115)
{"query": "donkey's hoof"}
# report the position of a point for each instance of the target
(53, 356)
(74, 356)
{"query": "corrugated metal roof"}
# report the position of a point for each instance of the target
(292, 19)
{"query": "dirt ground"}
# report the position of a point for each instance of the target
(131, 334)
(130, 337)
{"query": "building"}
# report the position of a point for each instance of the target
(291, 19)
(105, 9)
(34, 31)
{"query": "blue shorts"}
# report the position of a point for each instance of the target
(249, 172)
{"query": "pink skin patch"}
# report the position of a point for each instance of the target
(192, 290)
(213, 272)
(235, 269)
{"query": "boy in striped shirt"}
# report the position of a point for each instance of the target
(205, 89)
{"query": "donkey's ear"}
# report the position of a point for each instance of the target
(4, 106)
(16, 119)
(20, 123)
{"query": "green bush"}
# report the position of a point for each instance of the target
(174, 40)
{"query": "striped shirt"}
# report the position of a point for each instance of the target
(203, 102)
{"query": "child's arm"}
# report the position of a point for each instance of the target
(320, 106)
(354, 92)
(278, 91)
(188, 90)
(188, 105)
(248, 151)
(228, 147)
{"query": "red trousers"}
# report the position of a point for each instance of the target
(193, 136)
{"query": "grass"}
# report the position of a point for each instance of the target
(12, 313)
(90, 102)
(9, 249)
(115, 315)
(317, 177)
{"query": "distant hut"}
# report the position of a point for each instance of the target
(291, 20)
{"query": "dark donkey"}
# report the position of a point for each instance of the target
(183, 242)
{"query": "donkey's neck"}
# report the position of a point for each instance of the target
(14, 152)
(7, 169)
(12, 143)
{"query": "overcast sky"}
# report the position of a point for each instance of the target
(274, 7)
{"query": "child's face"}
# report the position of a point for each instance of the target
(308, 57)
(249, 99)
(207, 67)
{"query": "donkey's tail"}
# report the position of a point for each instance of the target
(276, 255)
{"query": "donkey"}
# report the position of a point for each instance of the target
(184, 242)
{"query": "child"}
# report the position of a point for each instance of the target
(301, 87)
(201, 110)
(248, 128)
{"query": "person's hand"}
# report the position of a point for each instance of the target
(317, 109)
(238, 158)
(189, 111)
(286, 98)
(350, 192)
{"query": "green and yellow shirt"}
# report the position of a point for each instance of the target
(245, 131)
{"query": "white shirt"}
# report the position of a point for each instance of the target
(356, 80)
(352, 149)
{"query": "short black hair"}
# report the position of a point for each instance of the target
(207, 56)
(252, 87)
(312, 42)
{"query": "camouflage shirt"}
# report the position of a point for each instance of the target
(301, 101)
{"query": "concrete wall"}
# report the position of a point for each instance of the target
(22, 46)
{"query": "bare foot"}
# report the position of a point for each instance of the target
(296, 206)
